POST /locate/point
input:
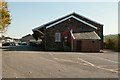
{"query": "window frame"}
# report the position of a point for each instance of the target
(57, 37)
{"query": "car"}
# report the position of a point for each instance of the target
(32, 43)
(9, 44)
(23, 43)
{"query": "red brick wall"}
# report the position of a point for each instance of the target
(90, 46)
(62, 27)
(67, 25)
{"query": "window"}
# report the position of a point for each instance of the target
(57, 37)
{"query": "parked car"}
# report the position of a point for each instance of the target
(9, 44)
(23, 43)
(19, 43)
(32, 43)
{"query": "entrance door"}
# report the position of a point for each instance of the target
(78, 45)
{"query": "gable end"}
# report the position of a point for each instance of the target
(80, 20)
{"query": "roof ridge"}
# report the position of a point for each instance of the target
(87, 18)
(68, 15)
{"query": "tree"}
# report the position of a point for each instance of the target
(110, 43)
(5, 18)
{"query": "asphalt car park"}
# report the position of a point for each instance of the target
(28, 62)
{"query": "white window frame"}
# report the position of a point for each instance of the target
(57, 37)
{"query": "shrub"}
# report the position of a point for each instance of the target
(112, 43)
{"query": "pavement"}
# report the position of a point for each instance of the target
(30, 62)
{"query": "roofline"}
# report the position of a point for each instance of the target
(37, 31)
(38, 27)
(74, 18)
(97, 35)
(89, 19)
(68, 16)
(43, 25)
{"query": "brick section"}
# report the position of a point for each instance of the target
(62, 27)
(90, 45)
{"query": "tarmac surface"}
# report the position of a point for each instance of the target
(30, 62)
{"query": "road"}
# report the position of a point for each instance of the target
(26, 62)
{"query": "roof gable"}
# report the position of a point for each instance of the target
(72, 15)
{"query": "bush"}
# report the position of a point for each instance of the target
(112, 43)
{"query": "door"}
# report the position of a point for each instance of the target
(78, 45)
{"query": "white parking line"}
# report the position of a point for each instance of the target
(112, 70)
(67, 60)
(89, 56)
(87, 63)
(101, 58)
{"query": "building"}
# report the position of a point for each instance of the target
(7, 39)
(27, 38)
(72, 32)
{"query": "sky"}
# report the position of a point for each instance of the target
(29, 15)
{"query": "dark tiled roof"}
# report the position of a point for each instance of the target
(86, 35)
(72, 14)
(27, 37)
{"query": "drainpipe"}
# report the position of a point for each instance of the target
(45, 38)
(72, 45)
